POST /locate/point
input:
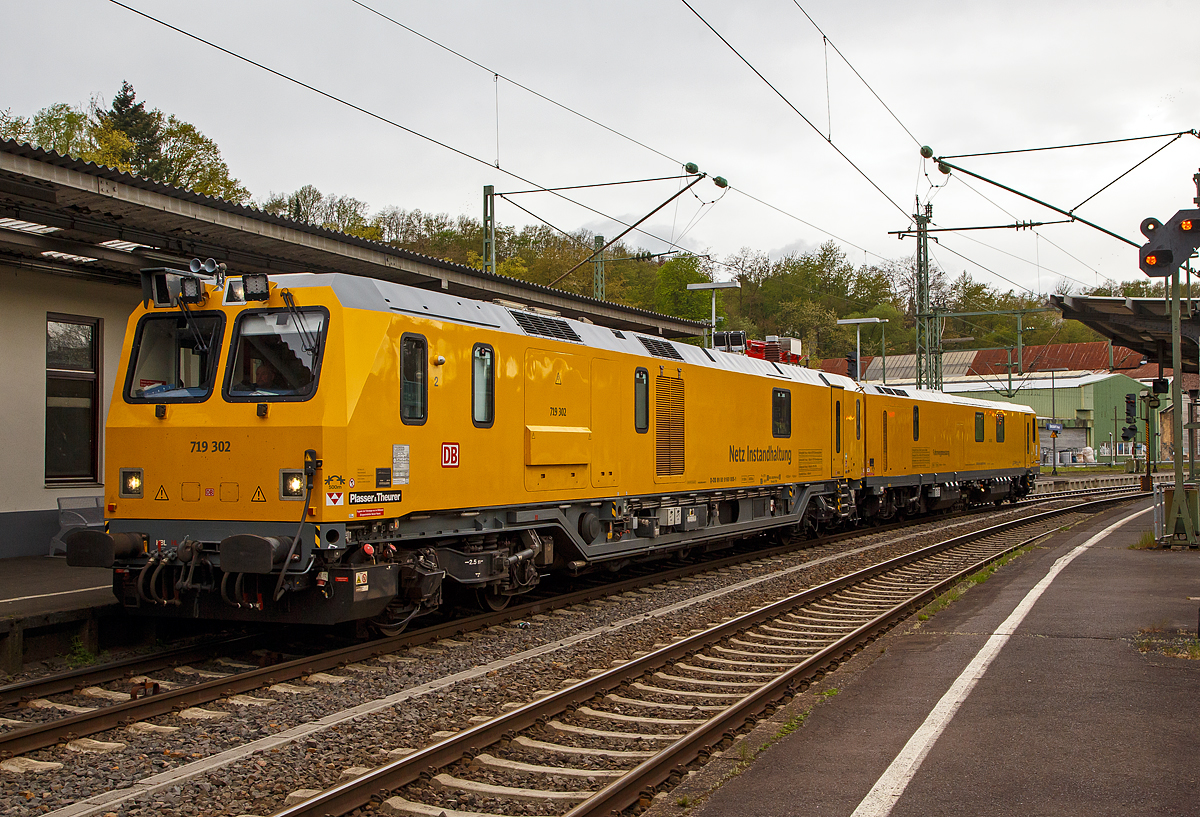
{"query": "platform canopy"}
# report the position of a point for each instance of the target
(62, 215)
(1141, 324)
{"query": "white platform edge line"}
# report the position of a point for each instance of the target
(887, 790)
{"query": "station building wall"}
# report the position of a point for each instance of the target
(60, 346)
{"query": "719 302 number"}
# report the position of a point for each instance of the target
(216, 446)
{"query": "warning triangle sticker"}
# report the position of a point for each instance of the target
(558, 379)
(161, 496)
(258, 495)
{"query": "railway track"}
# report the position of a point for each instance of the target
(608, 743)
(132, 691)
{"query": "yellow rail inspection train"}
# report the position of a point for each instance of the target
(322, 448)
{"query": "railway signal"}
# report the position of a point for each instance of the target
(1130, 408)
(1169, 244)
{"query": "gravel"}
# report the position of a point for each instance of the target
(259, 784)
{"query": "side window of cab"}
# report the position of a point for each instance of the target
(414, 379)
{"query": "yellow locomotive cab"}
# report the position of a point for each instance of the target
(322, 448)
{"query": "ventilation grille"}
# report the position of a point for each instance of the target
(668, 426)
(660, 348)
(544, 327)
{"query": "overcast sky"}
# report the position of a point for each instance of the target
(962, 77)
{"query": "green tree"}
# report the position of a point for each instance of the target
(144, 129)
(130, 137)
(671, 295)
(815, 325)
(188, 158)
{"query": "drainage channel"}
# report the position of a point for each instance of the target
(609, 743)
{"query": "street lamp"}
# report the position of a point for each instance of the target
(857, 324)
(1054, 419)
(714, 286)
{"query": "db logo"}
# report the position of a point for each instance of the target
(449, 455)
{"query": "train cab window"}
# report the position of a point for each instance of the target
(781, 413)
(837, 427)
(979, 426)
(641, 401)
(483, 386)
(275, 355)
(916, 423)
(999, 428)
(414, 395)
(174, 358)
(858, 419)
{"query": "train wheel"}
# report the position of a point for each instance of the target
(491, 601)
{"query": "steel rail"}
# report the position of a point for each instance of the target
(75, 679)
(39, 736)
(651, 774)
(373, 786)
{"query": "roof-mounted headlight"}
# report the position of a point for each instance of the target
(256, 286)
(191, 290)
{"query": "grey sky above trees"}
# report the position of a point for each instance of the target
(963, 77)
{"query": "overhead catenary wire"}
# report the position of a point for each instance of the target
(1008, 213)
(598, 184)
(796, 110)
(614, 131)
(1076, 145)
(539, 218)
(1127, 172)
(829, 42)
(942, 245)
(379, 117)
(512, 81)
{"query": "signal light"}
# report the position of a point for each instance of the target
(1169, 244)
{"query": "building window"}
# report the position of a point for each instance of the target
(979, 426)
(781, 413)
(413, 376)
(483, 388)
(641, 401)
(999, 428)
(72, 399)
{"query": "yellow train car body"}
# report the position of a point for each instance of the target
(328, 447)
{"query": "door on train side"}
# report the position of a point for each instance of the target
(837, 445)
(854, 434)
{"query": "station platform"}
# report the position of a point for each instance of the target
(46, 605)
(1068, 718)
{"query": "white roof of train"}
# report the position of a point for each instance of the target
(357, 292)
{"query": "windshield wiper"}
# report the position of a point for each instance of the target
(201, 346)
(309, 342)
